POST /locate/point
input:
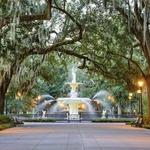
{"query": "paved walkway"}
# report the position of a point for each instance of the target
(77, 136)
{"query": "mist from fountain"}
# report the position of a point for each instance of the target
(106, 100)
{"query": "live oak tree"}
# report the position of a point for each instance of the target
(109, 48)
(136, 15)
(31, 28)
(122, 52)
(102, 51)
(40, 77)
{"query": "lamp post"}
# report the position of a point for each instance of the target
(18, 95)
(139, 101)
(140, 84)
(130, 98)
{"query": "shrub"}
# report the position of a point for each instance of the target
(39, 120)
(5, 122)
(111, 120)
(4, 119)
(5, 126)
(146, 126)
(146, 120)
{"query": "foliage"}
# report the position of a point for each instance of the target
(146, 120)
(111, 55)
(47, 79)
(108, 48)
(121, 95)
(5, 122)
(27, 28)
(111, 120)
(5, 126)
(146, 126)
(40, 120)
(4, 119)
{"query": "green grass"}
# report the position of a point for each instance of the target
(5, 126)
(4, 119)
(5, 122)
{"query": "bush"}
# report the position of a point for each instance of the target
(39, 120)
(116, 120)
(146, 126)
(4, 119)
(146, 120)
(5, 122)
(5, 126)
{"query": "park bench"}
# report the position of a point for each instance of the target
(138, 122)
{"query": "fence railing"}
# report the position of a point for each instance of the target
(65, 116)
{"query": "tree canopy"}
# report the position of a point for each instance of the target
(108, 37)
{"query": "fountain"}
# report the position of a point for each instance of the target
(74, 104)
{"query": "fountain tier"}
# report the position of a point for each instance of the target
(74, 104)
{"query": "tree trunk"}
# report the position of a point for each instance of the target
(3, 89)
(4, 84)
(148, 92)
(2, 100)
(6, 79)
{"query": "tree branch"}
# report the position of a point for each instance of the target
(63, 42)
(73, 20)
(129, 59)
(26, 18)
(95, 63)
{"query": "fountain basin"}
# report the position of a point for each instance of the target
(74, 105)
(73, 99)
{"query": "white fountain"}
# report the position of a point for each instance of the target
(74, 104)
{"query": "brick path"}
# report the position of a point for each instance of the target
(75, 136)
